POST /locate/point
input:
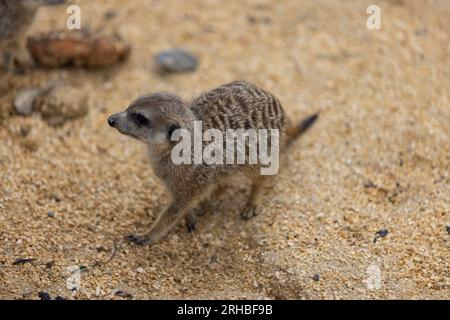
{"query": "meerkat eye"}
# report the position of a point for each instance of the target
(172, 128)
(140, 119)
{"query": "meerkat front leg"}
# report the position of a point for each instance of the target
(165, 221)
(204, 207)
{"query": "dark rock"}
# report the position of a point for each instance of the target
(380, 234)
(83, 268)
(176, 60)
(213, 258)
(123, 294)
(23, 103)
(22, 261)
(44, 295)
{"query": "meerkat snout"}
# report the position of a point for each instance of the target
(112, 120)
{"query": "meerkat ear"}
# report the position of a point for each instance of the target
(171, 129)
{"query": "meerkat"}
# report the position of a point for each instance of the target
(16, 16)
(154, 118)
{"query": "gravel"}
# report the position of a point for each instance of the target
(384, 117)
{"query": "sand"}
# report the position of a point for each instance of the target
(378, 158)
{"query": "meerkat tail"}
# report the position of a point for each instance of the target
(296, 131)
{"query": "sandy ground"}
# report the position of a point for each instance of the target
(377, 159)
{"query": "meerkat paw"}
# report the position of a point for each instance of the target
(141, 240)
(249, 212)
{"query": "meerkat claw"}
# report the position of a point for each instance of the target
(137, 239)
(248, 213)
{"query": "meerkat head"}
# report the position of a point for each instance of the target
(153, 118)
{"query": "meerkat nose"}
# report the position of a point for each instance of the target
(112, 120)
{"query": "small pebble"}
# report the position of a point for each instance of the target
(23, 103)
(369, 184)
(140, 270)
(22, 261)
(83, 268)
(110, 14)
(44, 295)
(102, 249)
(51, 214)
(123, 294)
(316, 277)
(448, 229)
(380, 234)
(176, 60)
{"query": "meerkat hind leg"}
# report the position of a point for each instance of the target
(251, 208)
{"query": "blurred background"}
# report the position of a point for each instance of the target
(360, 210)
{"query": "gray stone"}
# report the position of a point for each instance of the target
(176, 60)
(23, 103)
(25, 100)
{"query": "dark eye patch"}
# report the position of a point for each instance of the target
(140, 119)
(171, 130)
